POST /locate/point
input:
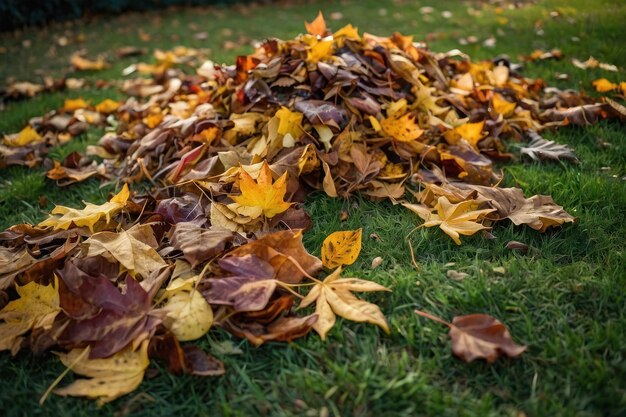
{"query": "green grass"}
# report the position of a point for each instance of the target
(565, 299)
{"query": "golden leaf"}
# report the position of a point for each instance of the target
(453, 219)
(109, 378)
(63, 217)
(107, 106)
(261, 196)
(501, 105)
(70, 104)
(402, 129)
(289, 122)
(341, 248)
(603, 85)
(471, 132)
(37, 307)
(82, 64)
(25, 137)
(334, 297)
(189, 316)
(316, 27)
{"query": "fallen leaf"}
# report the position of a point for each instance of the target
(64, 217)
(479, 336)
(83, 64)
(341, 248)
(261, 196)
(333, 296)
(402, 129)
(108, 378)
(317, 26)
(541, 149)
(36, 307)
(189, 316)
(199, 244)
(453, 219)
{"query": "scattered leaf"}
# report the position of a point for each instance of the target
(341, 248)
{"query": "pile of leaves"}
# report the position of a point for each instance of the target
(231, 152)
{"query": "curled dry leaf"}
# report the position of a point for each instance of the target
(540, 149)
(341, 248)
(479, 336)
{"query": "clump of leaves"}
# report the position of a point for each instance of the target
(232, 152)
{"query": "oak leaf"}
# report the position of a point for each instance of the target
(37, 307)
(453, 219)
(64, 217)
(261, 196)
(341, 248)
(479, 336)
(108, 378)
(334, 297)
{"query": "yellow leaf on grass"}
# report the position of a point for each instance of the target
(109, 378)
(84, 64)
(63, 217)
(341, 248)
(25, 137)
(603, 85)
(261, 196)
(334, 297)
(189, 316)
(317, 26)
(134, 249)
(501, 105)
(453, 219)
(37, 307)
(73, 104)
(107, 106)
(402, 129)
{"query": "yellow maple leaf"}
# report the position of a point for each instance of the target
(63, 217)
(341, 248)
(37, 307)
(402, 129)
(25, 137)
(501, 105)
(471, 132)
(453, 219)
(107, 106)
(108, 378)
(334, 297)
(261, 196)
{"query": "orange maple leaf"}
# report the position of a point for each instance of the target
(261, 196)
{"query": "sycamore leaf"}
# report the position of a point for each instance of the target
(262, 196)
(453, 219)
(189, 316)
(25, 137)
(64, 217)
(108, 378)
(341, 248)
(37, 307)
(134, 249)
(402, 129)
(317, 26)
(333, 297)
(540, 149)
(479, 336)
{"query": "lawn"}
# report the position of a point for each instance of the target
(565, 299)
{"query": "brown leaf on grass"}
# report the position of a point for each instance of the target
(334, 296)
(479, 336)
(186, 359)
(541, 149)
(283, 329)
(199, 244)
(108, 378)
(341, 248)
